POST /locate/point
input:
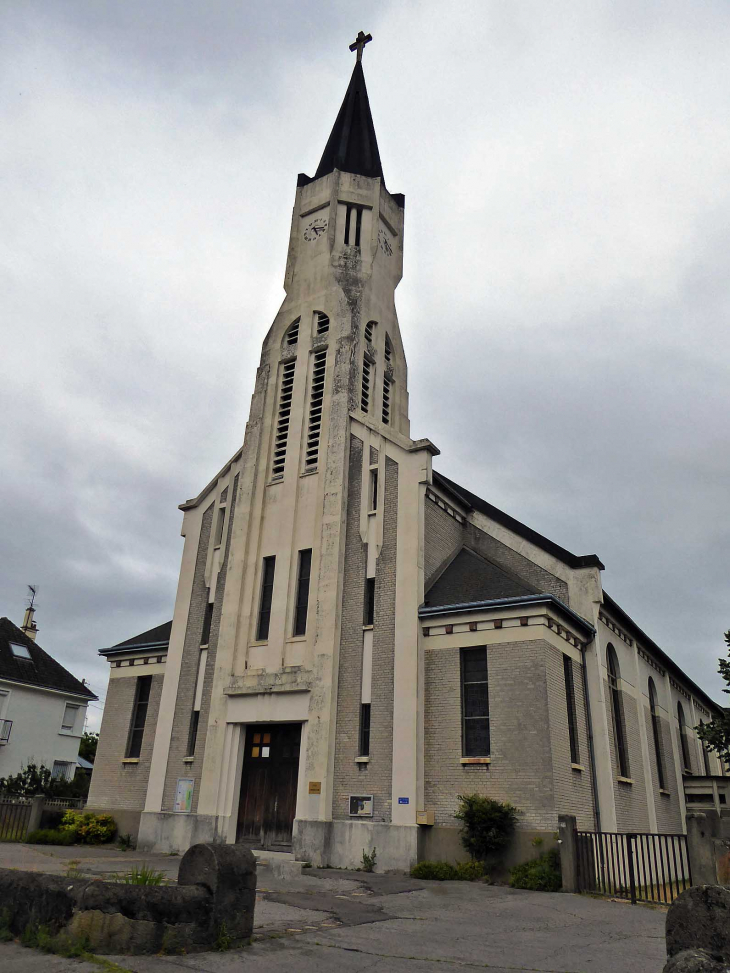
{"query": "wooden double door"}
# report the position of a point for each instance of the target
(269, 785)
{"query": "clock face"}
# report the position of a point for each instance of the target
(384, 240)
(315, 229)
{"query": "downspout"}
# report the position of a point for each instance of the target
(594, 781)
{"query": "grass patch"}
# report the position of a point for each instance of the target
(139, 875)
(50, 836)
(446, 872)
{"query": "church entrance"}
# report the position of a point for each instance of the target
(269, 785)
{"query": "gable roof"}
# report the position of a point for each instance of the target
(494, 513)
(40, 670)
(153, 638)
(470, 577)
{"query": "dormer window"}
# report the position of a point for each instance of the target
(321, 322)
(20, 651)
(292, 335)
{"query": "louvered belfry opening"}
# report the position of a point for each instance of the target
(282, 418)
(316, 399)
(323, 322)
(365, 393)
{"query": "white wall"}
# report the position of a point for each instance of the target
(36, 736)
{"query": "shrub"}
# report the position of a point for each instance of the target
(539, 875)
(88, 828)
(487, 825)
(434, 871)
(470, 871)
(369, 861)
(49, 836)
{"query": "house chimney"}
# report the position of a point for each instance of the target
(29, 627)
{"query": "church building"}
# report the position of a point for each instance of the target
(357, 639)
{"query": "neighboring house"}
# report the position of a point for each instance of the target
(356, 638)
(42, 707)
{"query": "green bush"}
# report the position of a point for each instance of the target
(49, 836)
(88, 828)
(470, 871)
(435, 871)
(540, 875)
(486, 824)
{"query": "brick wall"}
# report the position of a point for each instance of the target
(573, 790)
(631, 808)
(443, 537)
(188, 677)
(114, 784)
(668, 810)
(521, 767)
(375, 777)
(517, 564)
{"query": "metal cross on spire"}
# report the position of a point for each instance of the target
(359, 43)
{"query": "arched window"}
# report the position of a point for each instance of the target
(283, 413)
(617, 712)
(321, 322)
(292, 335)
(367, 377)
(656, 729)
(370, 330)
(683, 741)
(388, 350)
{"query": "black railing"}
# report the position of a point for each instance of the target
(14, 819)
(638, 867)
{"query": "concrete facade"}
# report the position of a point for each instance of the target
(327, 466)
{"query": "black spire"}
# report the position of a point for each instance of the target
(352, 145)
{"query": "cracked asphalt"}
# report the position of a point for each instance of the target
(331, 921)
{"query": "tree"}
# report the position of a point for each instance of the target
(716, 734)
(87, 747)
(486, 824)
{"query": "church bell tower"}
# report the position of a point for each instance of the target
(299, 524)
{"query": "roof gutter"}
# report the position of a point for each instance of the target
(495, 604)
(120, 649)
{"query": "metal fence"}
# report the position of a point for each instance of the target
(638, 867)
(14, 819)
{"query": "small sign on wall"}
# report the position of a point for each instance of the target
(361, 805)
(184, 795)
(404, 800)
(315, 787)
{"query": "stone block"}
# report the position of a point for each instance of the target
(699, 919)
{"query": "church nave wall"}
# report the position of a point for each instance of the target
(443, 537)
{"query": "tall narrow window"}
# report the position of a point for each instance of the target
(316, 401)
(474, 702)
(617, 712)
(267, 592)
(369, 331)
(207, 622)
(353, 225)
(366, 375)
(683, 741)
(139, 716)
(705, 755)
(369, 610)
(219, 526)
(300, 610)
(373, 490)
(282, 419)
(388, 350)
(386, 401)
(193, 733)
(656, 732)
(365, 730)
(322, 322)
(572, 713)
(292, 335)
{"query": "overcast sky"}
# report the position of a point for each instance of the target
(564, 306)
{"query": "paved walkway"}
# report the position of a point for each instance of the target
(331, 921)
